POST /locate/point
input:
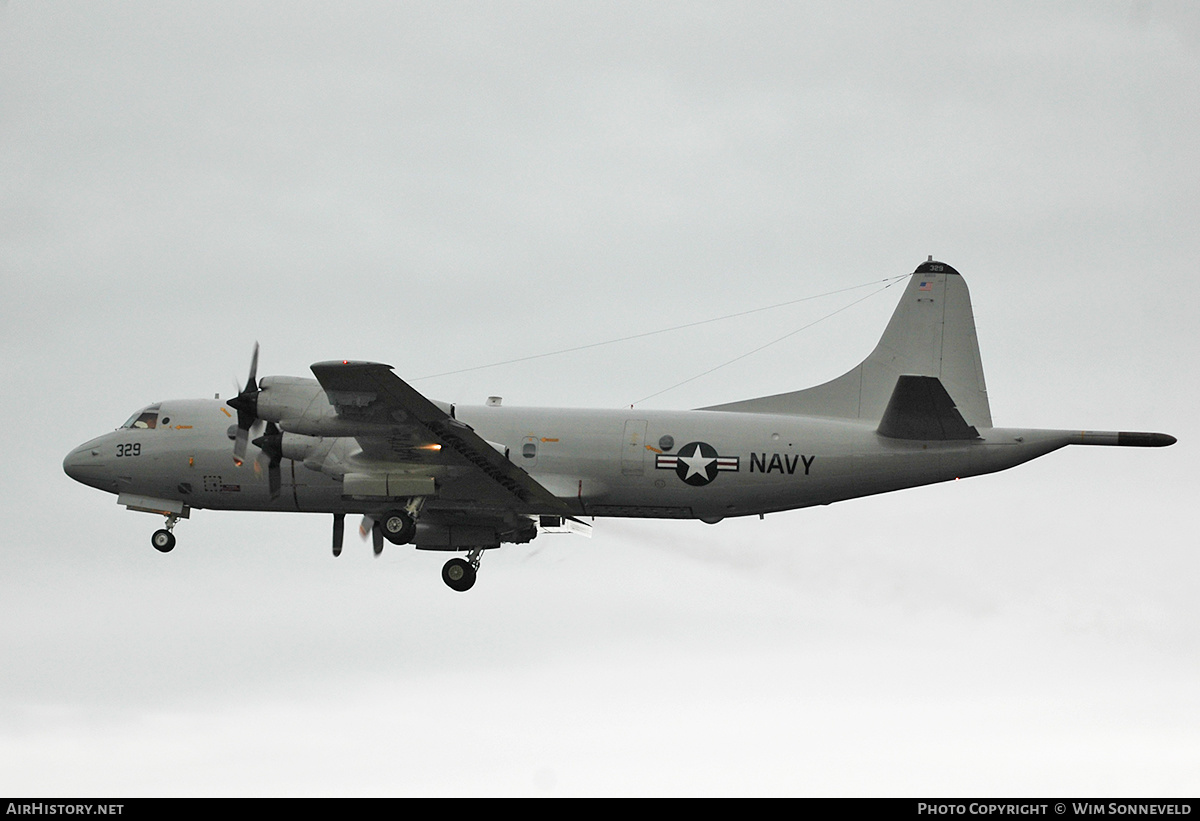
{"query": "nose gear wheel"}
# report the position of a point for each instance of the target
(163, 541)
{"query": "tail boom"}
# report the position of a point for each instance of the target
(1123, 439)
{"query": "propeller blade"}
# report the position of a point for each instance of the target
(239, 444)
(246, 405)
(372, 528)
(273, 480)
(271, 443)
(252, 382)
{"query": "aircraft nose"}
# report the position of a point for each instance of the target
(77, 461)
(86, 463)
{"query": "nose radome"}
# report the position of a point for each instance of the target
(81, 463)
(73, 463)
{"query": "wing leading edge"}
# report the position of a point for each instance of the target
(398, 427)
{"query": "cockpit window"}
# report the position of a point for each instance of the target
(143, 419)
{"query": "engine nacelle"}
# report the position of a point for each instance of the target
(301, 406)
(297, 446)
(289, 397)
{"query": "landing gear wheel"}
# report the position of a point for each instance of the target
(458, 575)
(163, 541)
(399, 527)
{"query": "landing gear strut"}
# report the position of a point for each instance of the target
(460, 574)
(164, 540)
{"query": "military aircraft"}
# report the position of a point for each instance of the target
(358, 439)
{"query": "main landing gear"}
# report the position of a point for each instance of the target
(398, 526)
(164, 540)
(459, 574)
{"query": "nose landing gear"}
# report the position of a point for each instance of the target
(163, 539)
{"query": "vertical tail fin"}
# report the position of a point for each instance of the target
(931, 333)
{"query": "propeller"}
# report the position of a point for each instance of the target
(246, 405)
(271, 443)
(370, 527)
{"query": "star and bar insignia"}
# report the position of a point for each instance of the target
(697, 463)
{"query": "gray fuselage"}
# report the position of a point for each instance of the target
(656, 464)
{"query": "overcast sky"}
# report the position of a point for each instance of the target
(446, 185)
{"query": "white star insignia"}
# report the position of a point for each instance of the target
(697, 464)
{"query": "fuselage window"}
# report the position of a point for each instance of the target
(529, 450)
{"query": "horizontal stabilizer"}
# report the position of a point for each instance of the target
(920, 408)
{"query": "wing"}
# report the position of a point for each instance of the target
(401, 433)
